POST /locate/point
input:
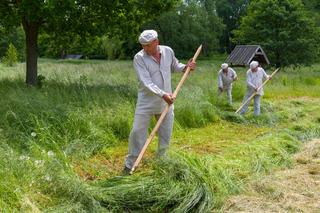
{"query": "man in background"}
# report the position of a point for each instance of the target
(226, 77)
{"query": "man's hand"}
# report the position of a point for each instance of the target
(235, 78)
(220, 89)
(191, 64)
(169, 98)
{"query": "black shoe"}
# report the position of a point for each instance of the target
(126, 171)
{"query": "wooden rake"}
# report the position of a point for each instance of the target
(163, 114)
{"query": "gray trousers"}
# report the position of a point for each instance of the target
(139, 134)
(229, 93)
(256, 103)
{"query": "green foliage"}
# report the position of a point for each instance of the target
(14, 36)
(11, 58)
(281, 28)
(59, 19)
(71, 43)
(230, 12)
(41, 81)
(92, 47)
(185, 28)
(112, 48)
(314, 7)
(70, 27)
(87, 33)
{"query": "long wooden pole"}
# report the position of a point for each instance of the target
(163, 114)
(257, 90)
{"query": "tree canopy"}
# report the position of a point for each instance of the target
(13, 36)
(230, 11)
(109, 29)
(281, 27)
(313, 7)
(191, 24)
(82, 17)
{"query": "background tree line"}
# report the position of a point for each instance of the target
(109, 30)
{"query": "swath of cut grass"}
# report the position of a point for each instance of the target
(181, 184)
(189, 183)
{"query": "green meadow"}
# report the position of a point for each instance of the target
(63, 145)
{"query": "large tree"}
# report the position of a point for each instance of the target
(283, 28)
(82, 17)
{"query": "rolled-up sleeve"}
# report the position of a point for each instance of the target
(234, 74)
(145, 78)
(265, 75)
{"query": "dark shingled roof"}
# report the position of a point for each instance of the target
(242, 55)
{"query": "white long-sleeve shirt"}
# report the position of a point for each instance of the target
(154, 79)
(255, 79)
(225, 79)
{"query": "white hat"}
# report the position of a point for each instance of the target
(254, 64)
(224, 66)
(148, 36)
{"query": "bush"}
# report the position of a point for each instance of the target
(112, 47)
(11, 57)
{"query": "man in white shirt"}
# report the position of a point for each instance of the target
(153, 65)
(226, 77)
(255, 77)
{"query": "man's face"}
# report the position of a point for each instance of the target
(254, 69)
(151, 48)
(225, 70)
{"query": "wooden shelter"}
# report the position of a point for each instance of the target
(242, 55)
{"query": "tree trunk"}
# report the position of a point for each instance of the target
(31, 30)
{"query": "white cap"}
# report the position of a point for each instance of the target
(148, 36)
(224, 66)
(254, 64)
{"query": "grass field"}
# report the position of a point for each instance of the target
(62, 146)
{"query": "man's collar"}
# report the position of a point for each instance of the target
(160, 49)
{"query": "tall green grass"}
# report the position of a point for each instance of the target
(85, 109)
